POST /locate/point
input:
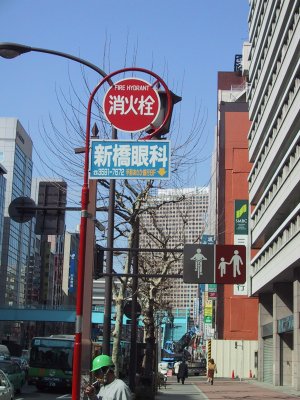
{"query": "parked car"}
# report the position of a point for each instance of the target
(6, 388)
(22, 362)
(14, 373)
(4, 350)
(4, 356)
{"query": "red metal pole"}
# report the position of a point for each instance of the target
(76, 378)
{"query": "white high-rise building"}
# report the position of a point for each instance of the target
(193, 210)
(274, 184)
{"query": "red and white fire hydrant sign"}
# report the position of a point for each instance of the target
(131, 105)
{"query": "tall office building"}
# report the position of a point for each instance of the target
(44, 280)
(70, 264)
(170, 216)
(2, 198)
(274, 184)
(16, 157)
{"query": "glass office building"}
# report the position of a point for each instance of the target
(2, 197)
(16, 157)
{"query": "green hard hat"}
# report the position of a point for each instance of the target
(102, 361)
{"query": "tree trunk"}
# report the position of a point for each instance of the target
(149, 365)
(117, 335)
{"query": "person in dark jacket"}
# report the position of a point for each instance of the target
(182, 372)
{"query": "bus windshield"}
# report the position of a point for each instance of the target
(52, 353)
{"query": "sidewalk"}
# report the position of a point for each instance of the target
(223, 389)
(177, 391)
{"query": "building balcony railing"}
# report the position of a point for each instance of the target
(284, 182)
(278, 253)
(281, 126)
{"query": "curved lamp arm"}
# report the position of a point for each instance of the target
(12, 50)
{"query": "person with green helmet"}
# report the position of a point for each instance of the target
(111, 387)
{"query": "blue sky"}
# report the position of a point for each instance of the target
(186, 43)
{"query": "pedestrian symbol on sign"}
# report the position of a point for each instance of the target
(230, 260)
(222, 266)
(236, 261)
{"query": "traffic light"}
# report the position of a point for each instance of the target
(235, 345)
(98, 261)
(162, 113)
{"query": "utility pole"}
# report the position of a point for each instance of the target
(134, 320)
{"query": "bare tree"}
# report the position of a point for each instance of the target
(139, 206)
(152, 291)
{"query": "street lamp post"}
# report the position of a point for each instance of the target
(12, 50)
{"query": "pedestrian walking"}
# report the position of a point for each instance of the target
(211, 370)
(111, 387)
(183, 372)
(176, 369)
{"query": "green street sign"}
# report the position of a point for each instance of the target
(208, 319)
(241, 217)
(212, 287)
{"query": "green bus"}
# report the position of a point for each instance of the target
(50, 362)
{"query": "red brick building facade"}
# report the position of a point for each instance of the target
(236, 315)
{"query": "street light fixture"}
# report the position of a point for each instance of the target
(12, 50)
